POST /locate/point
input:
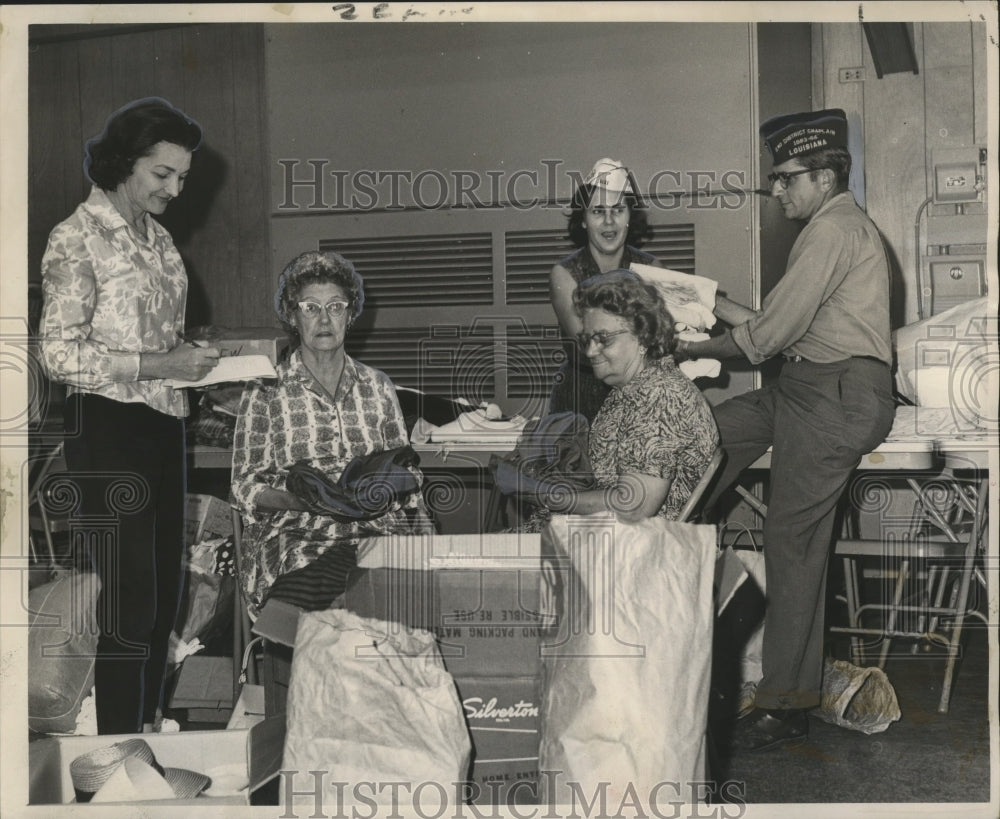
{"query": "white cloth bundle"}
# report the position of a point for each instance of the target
(689, 298)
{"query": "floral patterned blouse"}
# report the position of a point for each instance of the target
(295, 419)
(658, 424)
(111, 294)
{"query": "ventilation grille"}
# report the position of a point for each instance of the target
(438, 270)
(530, 255)
(447, 360)
(534, 354)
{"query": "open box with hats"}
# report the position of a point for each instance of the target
(186, 768)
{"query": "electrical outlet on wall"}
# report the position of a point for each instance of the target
(851, 74)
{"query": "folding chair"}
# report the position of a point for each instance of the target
(692, 509)
(930, 558)
(242, 638)
(37, 499)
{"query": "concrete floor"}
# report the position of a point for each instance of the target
(925, 757)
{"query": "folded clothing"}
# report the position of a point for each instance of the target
(478, 427)
(689, 298)
(315, 586)
(552, 451)
(367, 488)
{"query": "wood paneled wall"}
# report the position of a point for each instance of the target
(904, 118)
(78, 75)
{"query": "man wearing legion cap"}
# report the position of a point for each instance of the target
(832, 403)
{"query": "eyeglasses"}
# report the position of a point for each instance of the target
(785, 177)
(600, 338)
(312, 309)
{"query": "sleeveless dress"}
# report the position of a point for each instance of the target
(575, 387)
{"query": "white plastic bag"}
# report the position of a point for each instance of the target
(626, 684)
(62, 644)
(370, 703)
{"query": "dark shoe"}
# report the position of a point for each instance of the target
(766, 728)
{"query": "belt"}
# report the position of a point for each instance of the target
(797, 359)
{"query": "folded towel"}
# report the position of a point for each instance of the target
(689, 298)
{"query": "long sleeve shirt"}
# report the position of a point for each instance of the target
(833, 301)
(111, 295)
(294, 420)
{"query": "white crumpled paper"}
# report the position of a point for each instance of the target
(626, 690)
(370, 704)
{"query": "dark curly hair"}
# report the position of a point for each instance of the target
(638, 224)
(316, 267)
(622, 293)
(132, 132)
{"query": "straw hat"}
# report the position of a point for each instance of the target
(128, 771)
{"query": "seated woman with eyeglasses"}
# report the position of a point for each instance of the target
(654, 435)
(324, 409)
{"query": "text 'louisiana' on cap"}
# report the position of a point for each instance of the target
(790, 135)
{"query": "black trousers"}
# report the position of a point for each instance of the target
(127, 461)
(820, 420)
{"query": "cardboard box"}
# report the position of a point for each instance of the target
(504, 719)
(257, 750)
(252, 341)
(469, 551)
(505, 783)
(488, 622)
(206, 516)
(503, 714)
(205, 688)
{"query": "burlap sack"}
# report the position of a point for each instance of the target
(861, 699)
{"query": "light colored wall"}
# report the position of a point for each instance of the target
(502, 97)
(79, 74)
(905, 119)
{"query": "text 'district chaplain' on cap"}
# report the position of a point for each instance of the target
(791, 135)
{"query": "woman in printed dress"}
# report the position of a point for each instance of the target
(325, 409)
(655, 434)
(115, 290)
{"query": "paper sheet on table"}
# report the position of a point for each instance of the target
(231, 368)
(689, 298)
